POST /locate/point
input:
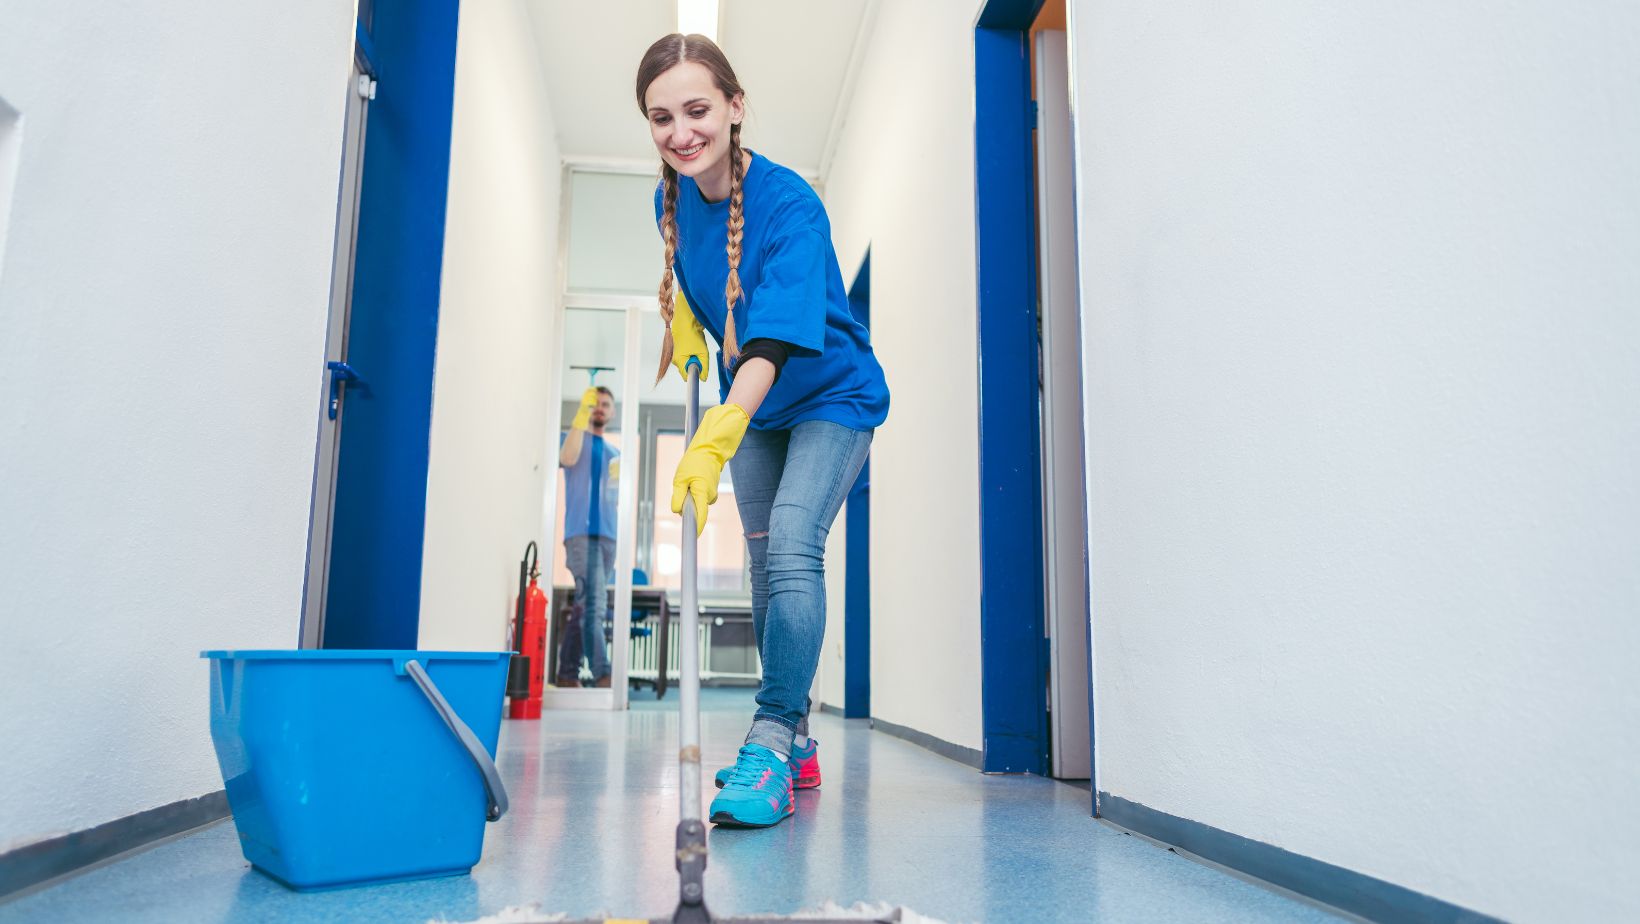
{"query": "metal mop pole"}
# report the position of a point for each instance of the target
(691, 831)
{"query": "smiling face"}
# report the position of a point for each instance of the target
(689, 120)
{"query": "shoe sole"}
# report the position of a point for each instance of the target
(795, 784)
(724, 819)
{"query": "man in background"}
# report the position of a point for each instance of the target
(591, 470)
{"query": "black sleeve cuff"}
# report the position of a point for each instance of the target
(775, 351)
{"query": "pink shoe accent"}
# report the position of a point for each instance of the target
(808, 771)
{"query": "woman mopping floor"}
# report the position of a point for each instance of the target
(748, 245)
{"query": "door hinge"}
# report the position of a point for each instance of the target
(367, 87)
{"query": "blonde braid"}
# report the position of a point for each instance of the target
(737, 223)
(669, 233)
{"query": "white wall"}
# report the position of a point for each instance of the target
(11, 142)
(496, 350)
(902, 183)
(162, 325)
(1361, 304)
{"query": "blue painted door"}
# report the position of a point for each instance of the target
(857, 552)
(1013, 640)
(374, 587)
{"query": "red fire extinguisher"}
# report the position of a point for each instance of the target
(527, 674)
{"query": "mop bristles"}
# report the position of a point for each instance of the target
(829, 912)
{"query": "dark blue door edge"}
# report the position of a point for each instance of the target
(1013, 658)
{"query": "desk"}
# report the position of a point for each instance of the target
(565, 643)
(727, 643)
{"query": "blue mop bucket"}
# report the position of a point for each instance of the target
(352, 767)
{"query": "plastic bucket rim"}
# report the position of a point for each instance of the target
(348, 654)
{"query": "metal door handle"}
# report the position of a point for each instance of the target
(340, 374)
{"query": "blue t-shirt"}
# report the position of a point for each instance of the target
(793, 292)
(590, 494)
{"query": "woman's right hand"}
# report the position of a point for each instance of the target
(688, 338)
(583, 415)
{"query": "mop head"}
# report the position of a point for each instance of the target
(883, 913)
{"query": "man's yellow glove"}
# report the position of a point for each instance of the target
(715, 442)
(688, 338)
(589, 400)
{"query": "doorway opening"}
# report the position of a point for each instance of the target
(610, 321)
(1064, 496)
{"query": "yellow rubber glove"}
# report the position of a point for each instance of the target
(715, 442)
(583, 417)
(688, 338)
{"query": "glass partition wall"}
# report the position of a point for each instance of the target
(608, 516)
(594, 508)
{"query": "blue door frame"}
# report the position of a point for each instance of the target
(1013, 640)
(857, 550)
(381, 478)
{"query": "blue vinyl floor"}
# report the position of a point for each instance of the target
(594, 807)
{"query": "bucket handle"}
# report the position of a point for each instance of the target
(493, 789)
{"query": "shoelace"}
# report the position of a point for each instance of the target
(749, 768)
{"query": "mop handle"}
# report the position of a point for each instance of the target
(689, 659)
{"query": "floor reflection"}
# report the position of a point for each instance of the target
(594, 810)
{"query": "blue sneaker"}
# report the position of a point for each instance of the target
(757, 792)
(805, 764)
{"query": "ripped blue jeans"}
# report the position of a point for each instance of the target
(789, 485)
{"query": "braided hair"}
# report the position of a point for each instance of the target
(669, 234)
(737, 224)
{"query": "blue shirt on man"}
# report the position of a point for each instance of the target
(589, 491)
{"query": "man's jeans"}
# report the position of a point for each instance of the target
(789, 485)
(590, 560)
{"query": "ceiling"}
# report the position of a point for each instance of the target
(794, 57)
